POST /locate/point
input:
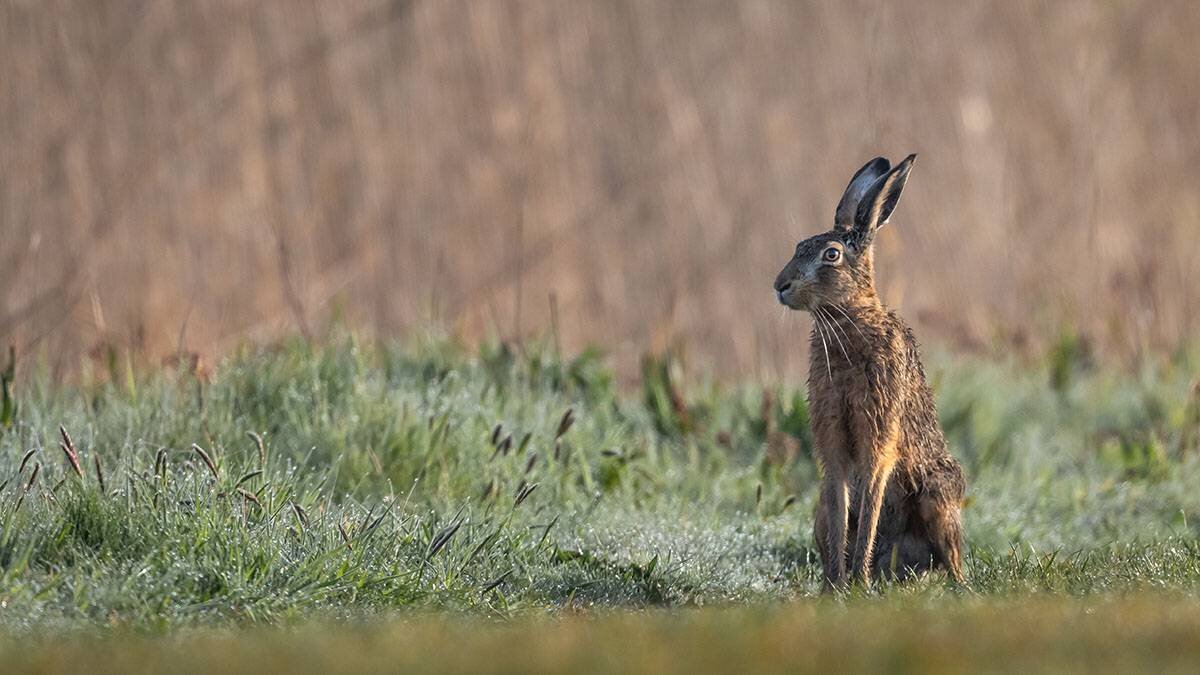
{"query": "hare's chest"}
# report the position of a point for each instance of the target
(830, 418)
(826, 399)
(838, 406)
(834, 386)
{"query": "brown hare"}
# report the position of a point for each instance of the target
(890, 491)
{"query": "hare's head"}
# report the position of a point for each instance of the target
(837, 266)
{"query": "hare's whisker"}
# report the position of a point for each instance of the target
(848, 318)
(837, 327)
(833, 329)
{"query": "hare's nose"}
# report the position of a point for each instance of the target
(783, 286)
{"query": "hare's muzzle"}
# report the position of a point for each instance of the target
(781, 290)
(785, 291)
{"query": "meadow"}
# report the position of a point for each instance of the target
(217, 220)
(358, 491)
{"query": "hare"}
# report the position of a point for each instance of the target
(888, 484)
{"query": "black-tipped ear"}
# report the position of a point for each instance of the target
(861, 182)
(880, 200)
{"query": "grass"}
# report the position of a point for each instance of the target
(504, 484)
(1152, 634)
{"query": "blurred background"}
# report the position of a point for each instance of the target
(190, 176)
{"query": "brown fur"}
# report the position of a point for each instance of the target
(890, 490)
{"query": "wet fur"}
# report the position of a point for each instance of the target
(891, 492)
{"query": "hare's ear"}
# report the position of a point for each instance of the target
(862, 181)
(880, 200)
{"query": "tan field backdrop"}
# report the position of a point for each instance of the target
(193, 175)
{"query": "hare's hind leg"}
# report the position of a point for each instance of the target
(913, 556)
(895, 554)
(943, 525)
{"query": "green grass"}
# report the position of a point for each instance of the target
(378, 490)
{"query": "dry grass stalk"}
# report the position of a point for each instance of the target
(68, 448)
(99, 473)
(25, 460)
(523, 492)
(72, 459)
(370, 527)
(160, 462)
(301, 514)
(493, 584)
(37, 466)
(249, 496)
(262, 448)
(489, 490)
(503, 447)
(564, 425)
(250, 476)
(208, 461)
(442, 538)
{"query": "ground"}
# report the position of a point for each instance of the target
(437, 506)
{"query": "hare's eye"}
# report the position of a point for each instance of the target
(832, 254)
